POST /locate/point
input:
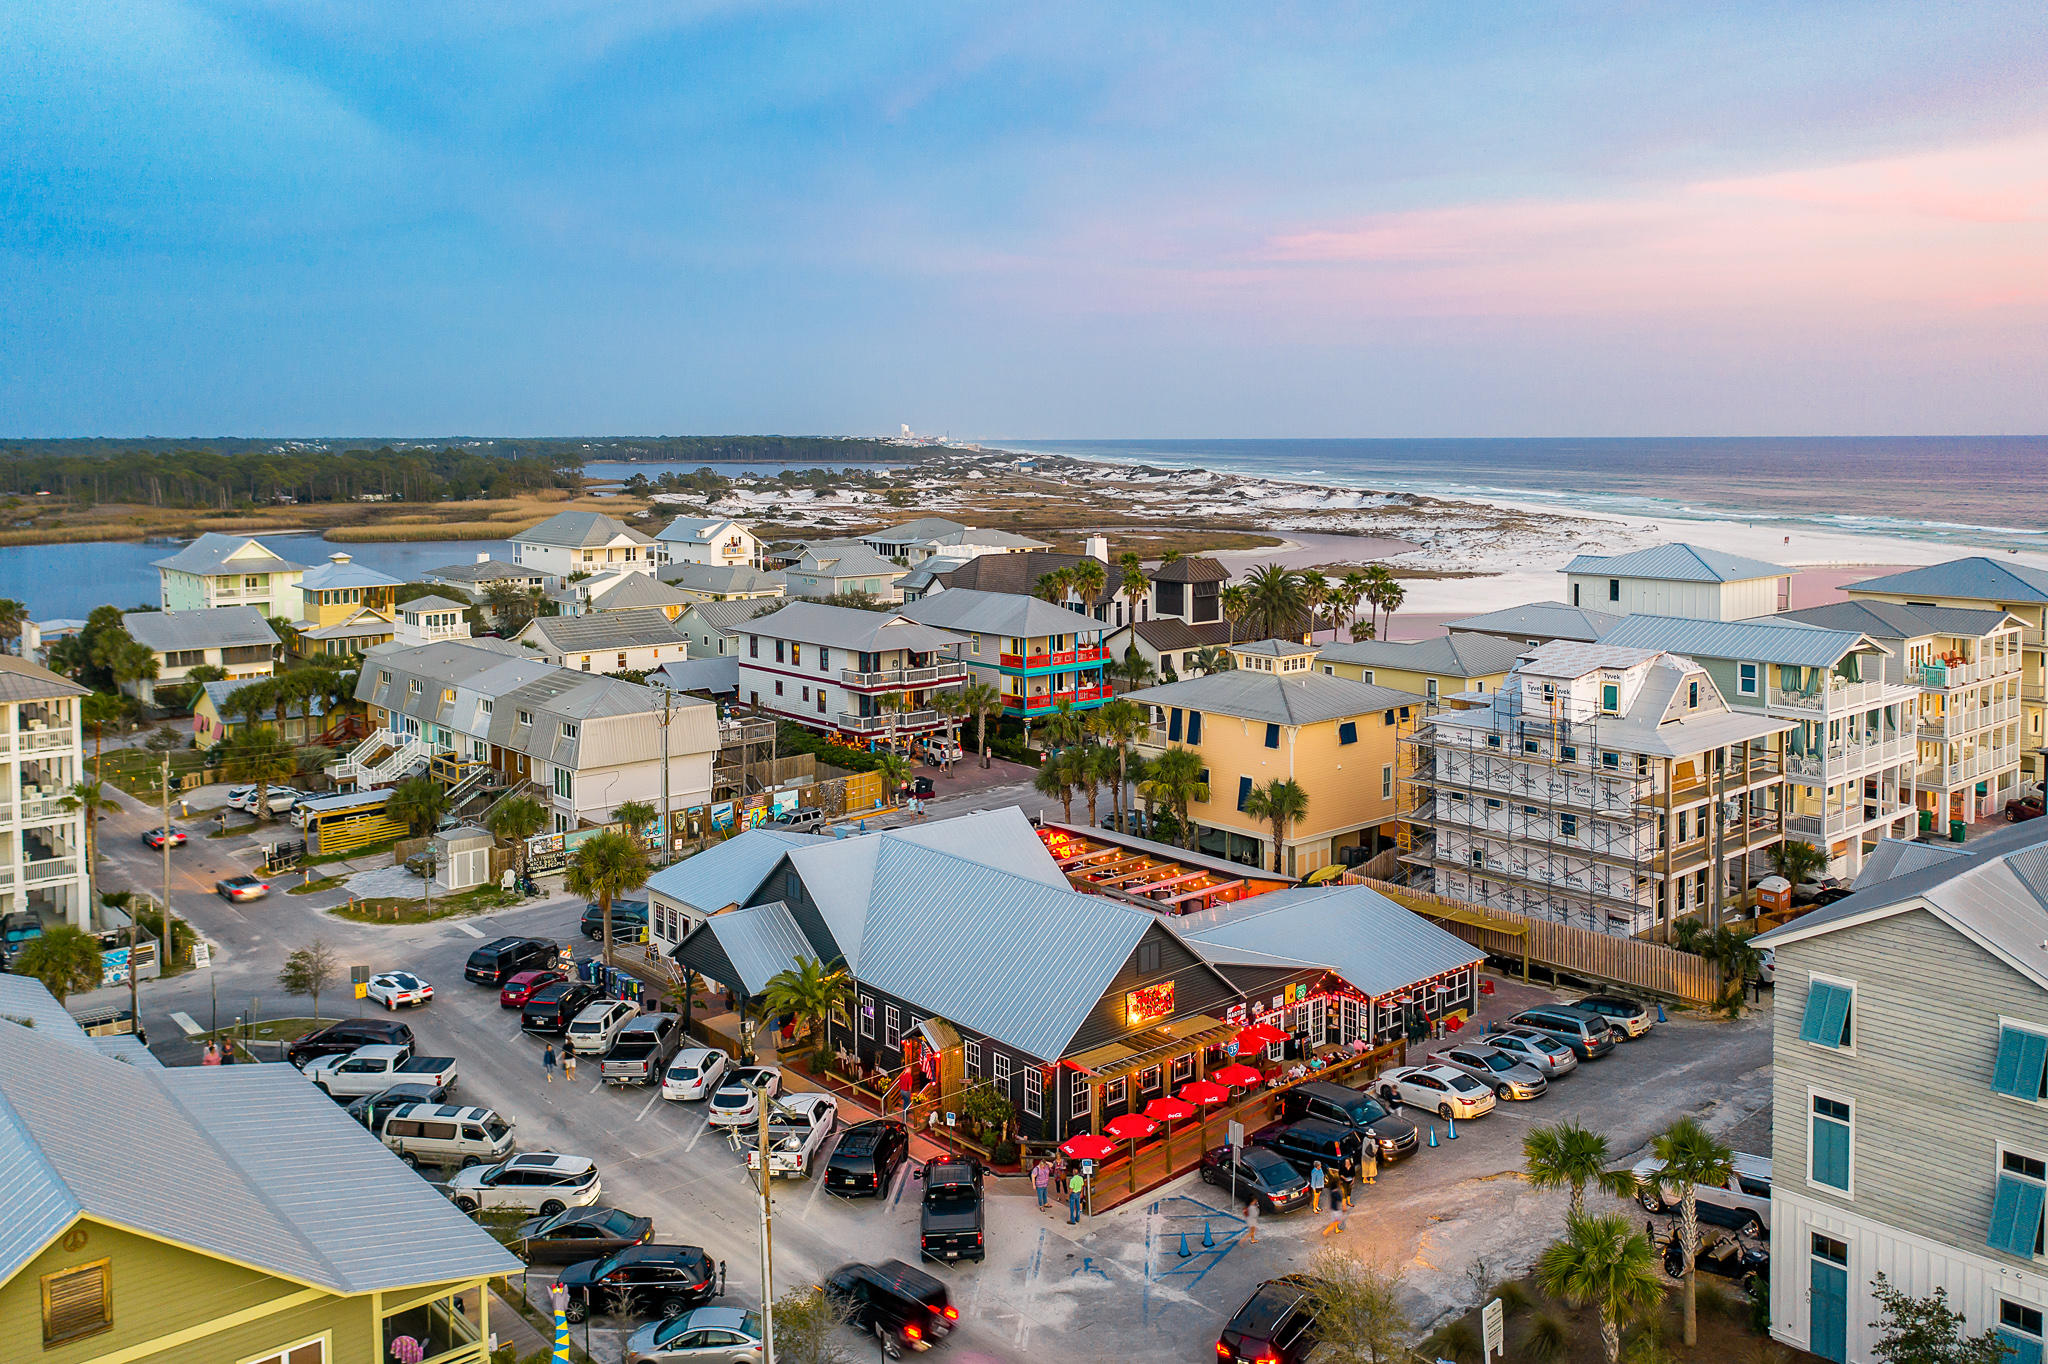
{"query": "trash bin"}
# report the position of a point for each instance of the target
(1955, 831)
(1927, 821)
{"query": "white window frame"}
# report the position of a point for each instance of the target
(1386, 781)
(1078, 1104)
(1748, 683)
(1811, 1118)
(1034, 1092)
(970, 1057)
(1115, 1092)
(999, 1071)
(892, 1026)
(325, 1340)
(867, 1016)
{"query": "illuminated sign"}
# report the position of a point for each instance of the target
(1149, 1005)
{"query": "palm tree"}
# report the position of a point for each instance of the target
(1055, 778)
(419, 803)
(95, 800)
(636, 815)
(1098, 768)
(1281, 803)
(1351, 590)
(1176, 782)
(1797, 861)
(1053, 586)
(1601, 1261)
(517, 819)
(1567, 1156)
(99, 712)
(260, 755)
(1392, 594)
(1278, 599)
(1063, 726)
(1691, 1157)
(1120, 724)
(978, 698)
(946, 703)
(132, 662)
(1378, 578)
(1088, 577)
(811, 993)
(249, 700)
(895, 769)
(66, 959)
(1315, 591)
(605, 866)
(1236, 603)
(1131, 579)
(12, 615)
(1210, 659)
(1134, 672)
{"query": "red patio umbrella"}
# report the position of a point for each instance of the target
(1087, 1146)
(1203, 1092)
(1239, 1076)
(1130, 1127)
(1258, 1035)
(1170, 1111)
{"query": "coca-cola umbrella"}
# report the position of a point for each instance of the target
(1170, 1111)
(1239, 1076)
(1258, 1035)
(1088, 1146)
(1133, 1128)
(1206, 1094)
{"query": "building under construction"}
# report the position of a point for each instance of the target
(1600, 787)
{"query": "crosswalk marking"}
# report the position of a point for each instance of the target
(473, 932)
(184, 1021)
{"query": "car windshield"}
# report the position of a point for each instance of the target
(404, 981)
(682, 1072)
(497, 1131)
(1496, 1061)
(1274, 1169)
(731, 1098)
(1464, 1083)
(671, 1329)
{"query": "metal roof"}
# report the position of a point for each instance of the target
(638, 589)
(484, 571)
(1456, 655)
(722, 578)
(636, 628)
(1677, 563)
(998, 613)
(716, 675)
(1571, 658)
(1539, 620)
(727, 873)
(213, 627)
(694, 528)
(219, 692)
(21, 680)
(1766, 639)
(24, 997)
(1898, 856)
(844, 559)
(1976, 578)
(580, 530)
(215, 553)
(1894, 620)
(422, 605)
(914, 532)
(726, 617)
(341, 571)
(761, 942)
(1190, 569)
(1373, 943)
(1293, 699)
(846, 627)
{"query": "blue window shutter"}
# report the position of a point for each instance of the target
(1347, 733)
(1272, 736)
(1835, 1031)
(2022, 1056)
(1813, 1028)
(1244, 791)
(2022, 1349)
(1173, 725)
(1831, 1153)
(2016, 1217)
(1194, 726)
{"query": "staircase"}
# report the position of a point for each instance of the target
(479, 782)
(382, 757)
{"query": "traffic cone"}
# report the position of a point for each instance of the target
(1432, 1136)
(1208, 1237)
(1184, 1251)
(1660, 1014)
(1454, 1129)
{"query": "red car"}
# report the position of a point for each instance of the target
(156, 838)
(519, 989)
(2022, 807)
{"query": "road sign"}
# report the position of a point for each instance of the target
(1088, 1167)
(362, 990)
(1494, 1320)
(1236, 1138)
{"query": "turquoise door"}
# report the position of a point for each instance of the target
(1828, 1305)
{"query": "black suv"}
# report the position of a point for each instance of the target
(339, 1039)
(949, 1222)
(628, 918)
(894, 1302)
(1337, 1145)
(866, 1158)
(554, 1007)
(663, 1281)
(502, 958)
(1395, 1137)
(1276, 1325)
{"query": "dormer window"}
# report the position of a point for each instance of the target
(525, 717)
(485, 705)
(568, 730)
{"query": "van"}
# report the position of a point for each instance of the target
(1587, 1034)
(643, 1049)
(442, 1134)
(599, 1025)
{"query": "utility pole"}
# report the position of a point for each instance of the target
(762, 1103)
(163, 957)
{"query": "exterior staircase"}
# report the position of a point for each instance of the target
(382, 757)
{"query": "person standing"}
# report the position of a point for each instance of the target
(1317, 1178)
(1369, 1161)
(547, 1062)
(1041, 1179)
(1076, 1185)
(212, 1057)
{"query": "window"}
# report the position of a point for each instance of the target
(1745, 678)
(778, 686)
(2019, 1326)
(796, 652)
(1828, 1148)
(306, 1352)
(1173, 718)
(1610, 697)
(568, 730)
(1493, 741)
(1034, 1090)
(1611, 761)
(970, 1057)
(622, 658)
(1531, 746)
(892, 1026)
(1113, 1093)
(807, 695)
(525, 717)
(1568, 825)
(1386, 781)
(77, 1302)
(1150, 1079)
(821, 700)
(1614, 589)
(1478, 857)
(565, 783)
(1148, 958)
(999, 1071)
(413, 687)
(1430, 688)
(2016, 1208)
(1347, 733)
(2022, 1061)
(1183, 1069)
(485, 705)
(1194, 726)
(1828, 1008)
(1244, 791)
(1367, 673)
(753, 646)
(977, 644)
(778, 651)
(1568, 753)
(867, 1015)
(1272, 736)
(1077, 1102)
(1493, 802)
(1692, 695)
(824, 659)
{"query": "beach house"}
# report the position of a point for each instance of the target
(858, 675)
(572, 542)
(928, 537)
(838, 568)
(619, 590)
(1033, 653)
(1538, 622)
(717, 582)
(1447, 665)
(474, 579)
(425, 620)
(228, 570)
(716, 541)
(1678, 580)
(607, 641)
(716, 629)
(235, 639)
(42, 845)
(343, 608)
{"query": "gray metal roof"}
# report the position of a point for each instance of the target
(339, 571)
(580, 530)
(485, 571)
(999, 613)
(1294, 699)
(1373, 943)
(219, 692)
(915, 532)
(1899, 856)
(1677, 563)
(727, 873)
(1766, 639)
(723, 578)
(1274, 648)
(761, 942)
(215, 553)
(24, 997)
(422, 605)
(694, 529)
(1539, 620)
(1894, 620)
(727, 617)
(1456, 655)
(21, 680)
(716, 675)
(1653, 724)
(1191, 568)
(637, 628)
(846, 627)
(1976, 578)
(215, 627)
(638, 589)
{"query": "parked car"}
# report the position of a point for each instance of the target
(579, 1234)
(372, 1109)
(2021, 808)
(1743, 1203)
(539, 1181)
(628, 918)
(650, 1279)
(695, 1073)
(706, 1335)
(395, 988)
(17, 928)
(1259, 1171)
(897, 1303)
(949, 1219)
(1437, 1089)
(1276, 1325)
(553, 1007)
(442, 1134)
(1338, 1147)
(1540, 1050)
(277, 799)
(1395, 1138)
(236, 889)
(500, 959)
(375, 1068)
(1586, 1034)
(806, 817)
(1767, 965)
(1508, 1075)
(733, 1102)
(519, 989)
(867, 1157)
(159, 836)
(642, 1049)
(598, 1024)
(339, 1039)
(1630, 1018)
(798, 1129)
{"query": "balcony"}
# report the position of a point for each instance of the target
(43, 740)
(1846, 760)
(1979, 766)
(1068, 658)
(1836, 698)
(892, 678)
(903, 722)
(1940, 676)
(1968, 719)
(48, 869)
(34, 807)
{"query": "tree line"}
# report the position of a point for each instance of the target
(208, 478)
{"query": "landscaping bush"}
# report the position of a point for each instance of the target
(1003, 1153)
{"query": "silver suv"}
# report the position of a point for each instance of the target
(1587, 1034)
(1509, 1076)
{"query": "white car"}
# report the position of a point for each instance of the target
(595, 1029)
(394, 989)
(278, 798)
(1767, 965)
(539, 1181)
(694, 1073)
(1547, 1054)
(1436, 1089)
(734, 1103)
(1744, 1203)
(798, 1129)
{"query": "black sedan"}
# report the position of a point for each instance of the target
(866, 1158)
(1256, 1171)
(579, 1234)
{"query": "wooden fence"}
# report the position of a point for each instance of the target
(1632, 962)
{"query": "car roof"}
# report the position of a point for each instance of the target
(1319, 1127)
(1268, 1306)
(550, 1160)
(1265, 1155)
(455, 1112)
(730, 1318)
(697, 1056)
(498, 945)
(650, 1022)
(1757, 1167)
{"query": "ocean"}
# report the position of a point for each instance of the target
(1974, 490)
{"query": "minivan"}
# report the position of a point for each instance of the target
(502, 958)
(642, 1050)
(1395, 1137)
(442, 1134)
(1587, 1034)
(599, 1025)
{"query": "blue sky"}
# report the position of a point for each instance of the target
(315, 217)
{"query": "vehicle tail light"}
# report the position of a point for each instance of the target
(1222, 1350)
(952, 1314)
(912, 1333)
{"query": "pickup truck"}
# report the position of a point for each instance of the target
(798, 1129)
(373, 1069)
(950, 1221)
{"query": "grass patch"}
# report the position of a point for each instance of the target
(315, 887)
(267, 1030)
(388, 909)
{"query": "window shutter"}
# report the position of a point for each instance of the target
(2016, 1217)
(1827, 1015)
(2022, 1057)
(1194, 726)
(1244, 791)
(2020, 1349)
(75, 1303)
(1347, 733)
(1272, 736)
(1173, 725)
(1831, 1153)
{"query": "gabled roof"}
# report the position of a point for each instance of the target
(844, 559)
(1273, 648)
(726, 617)
(363, 623)
(21, 680)
(727, 873)
(487, 570)
(340, 571)
(634, 629)
(580, 530)
(847, 627)
(1894, 620)
(1539, 620)
(1172, 634)
(998, 539)
(719, 676)
(1190, 569)
(915, 532)
(1976, 578)
(1677, 563)
(219, 692)
(215, 627)
(1570, 658)
(1373, 943)
(1899, 856)
(638, 589)
(422, 605)
(1765, 639)
(723, 578)
(216, 553)
(1455, 655)
(1017, 573)
(1306, 698)
(695, 529)
(998, 613)
(760, 941)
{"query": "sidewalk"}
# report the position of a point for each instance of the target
(512, 1329)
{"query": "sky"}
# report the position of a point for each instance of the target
(348, 217)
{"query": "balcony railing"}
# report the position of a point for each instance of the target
(39, 807)
(1977, 767)
(42, 740)
(1836, 697)
(48, 869)
(904, 722)
(1845, 760)
(1066, 658)
(905, 677)
(1968, 719)
(1937, 676)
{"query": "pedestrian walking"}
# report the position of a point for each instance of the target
(547, 1062)
(1340, 1213)
(1317, 1178)
(1251, 1222)
(1041, 1179)
(1369, 1163)
(1341, 1195)
(569, 1064)
(1076, 1185)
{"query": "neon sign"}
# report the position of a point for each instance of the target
(1149, 1005)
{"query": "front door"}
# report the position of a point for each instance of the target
(1827, 1323)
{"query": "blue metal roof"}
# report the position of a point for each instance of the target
(1677, 563)
(1976, 578)
(726, 873)
(761, 942)
(1375, 944)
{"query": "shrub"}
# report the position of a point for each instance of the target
(1004, 1153)
(1549, 1338)
(1513, 1297)
(1457, 1340)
